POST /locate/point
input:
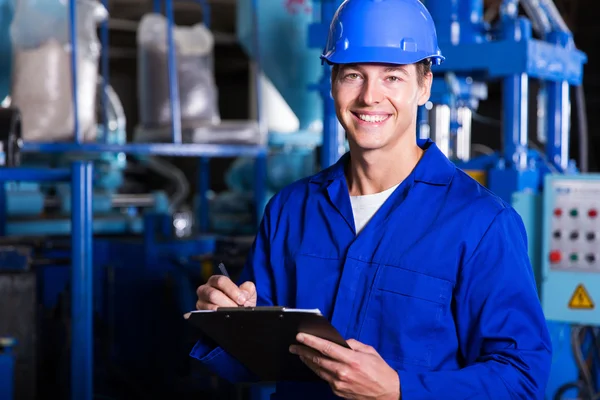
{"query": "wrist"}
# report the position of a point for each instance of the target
(396, 393)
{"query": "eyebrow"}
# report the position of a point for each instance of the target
(397, 69)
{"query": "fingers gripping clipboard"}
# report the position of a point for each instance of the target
(260, 337)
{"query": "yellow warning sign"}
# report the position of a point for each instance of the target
(581, 300)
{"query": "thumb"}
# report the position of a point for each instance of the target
(250, 290)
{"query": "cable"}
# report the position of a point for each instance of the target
(586, 384)
(582, 128)
(494, 122)
(168, 170)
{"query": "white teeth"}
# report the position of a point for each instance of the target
(372, 118)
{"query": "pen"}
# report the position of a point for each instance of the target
(223, 270)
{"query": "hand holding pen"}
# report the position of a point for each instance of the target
(221, 291)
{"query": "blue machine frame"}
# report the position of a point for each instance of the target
(80, 176)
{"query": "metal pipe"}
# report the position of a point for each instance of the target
(583, 129)
(117, 200)
(133, 200)
(170, 149)
(331, 137)
(440, 130)
(556, 20)
(515, 99)
(105, 73)
(462, 143)
(82, 340)
(74, 57)
(557, 141)
(539, 19)
(330, 150)
(257, 72)
(173, 79)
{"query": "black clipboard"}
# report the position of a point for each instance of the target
(260, 337)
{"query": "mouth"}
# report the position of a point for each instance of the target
(371, 119)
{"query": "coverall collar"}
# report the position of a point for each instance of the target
(434, 167)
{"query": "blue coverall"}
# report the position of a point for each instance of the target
(438, 282)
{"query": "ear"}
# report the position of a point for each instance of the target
(425, 89)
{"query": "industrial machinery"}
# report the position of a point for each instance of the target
(114, 269)
(557, 199)
(7, 366)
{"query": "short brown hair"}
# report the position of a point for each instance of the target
(423, 69)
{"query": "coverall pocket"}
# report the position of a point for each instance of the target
(404, 314)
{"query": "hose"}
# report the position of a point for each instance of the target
(545, 17)
(582, 131)
(539, 20)
(557, 21)
(174, 174)
(586, 384)
(117, 120)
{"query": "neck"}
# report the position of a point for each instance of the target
(373, 171)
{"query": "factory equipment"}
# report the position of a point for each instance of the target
(570, 248)
(115, 269)
(540, 183)
(18, 295)
(7, 365)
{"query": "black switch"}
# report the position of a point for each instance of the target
(574, 235)
(557, 234)
(591, 236)
(590, 258)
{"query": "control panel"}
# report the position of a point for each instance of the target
(575, 226)
(571, 248)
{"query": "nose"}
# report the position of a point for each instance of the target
(371, 93)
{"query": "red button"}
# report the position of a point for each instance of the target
(555, 256)
(557, 212)
(593, 213)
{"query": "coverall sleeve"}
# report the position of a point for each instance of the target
(258, 270)
(503, 336)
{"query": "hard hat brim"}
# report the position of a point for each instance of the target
(383, 55)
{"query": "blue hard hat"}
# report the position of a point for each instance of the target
(382, 31)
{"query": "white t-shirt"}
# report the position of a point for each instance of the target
(364, 207)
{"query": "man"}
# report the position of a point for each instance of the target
(422, 269)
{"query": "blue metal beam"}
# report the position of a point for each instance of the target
(557, 140)
(165, 149)
(18, 174)
(82, 343)
(538, 59)
(515, 120)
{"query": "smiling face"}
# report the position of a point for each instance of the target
(377, 103)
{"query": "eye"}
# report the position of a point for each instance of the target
(394, 79)
(352, 76)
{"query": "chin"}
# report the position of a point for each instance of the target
(368, 141)
(368, 145)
